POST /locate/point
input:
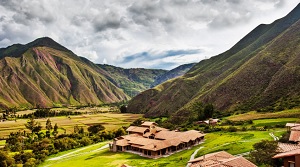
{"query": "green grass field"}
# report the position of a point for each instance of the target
(110, 121)
(233, 142)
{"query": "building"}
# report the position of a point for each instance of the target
(220, 159)
(211, 122)
(152, 141)
(295, 134)
(289, 126)
(290, 153)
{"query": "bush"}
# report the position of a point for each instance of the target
(85, 141)
(32, 162)
(232, 129)
(5, 159)
(244, 128)
(263, 152)
(96, 128)
(65, 143)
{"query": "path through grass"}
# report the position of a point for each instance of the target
(233, 142)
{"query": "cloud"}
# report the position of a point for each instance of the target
(162, 59)
(107, 20)
(153, 55)
(135, 33)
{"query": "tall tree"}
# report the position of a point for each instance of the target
(263, 152)
(197, 108)
(208, 111)
(55, 130)
(49, 125)
(33, 126)
(96, 128)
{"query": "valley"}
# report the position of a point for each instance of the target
(61, 107)
(236, 143)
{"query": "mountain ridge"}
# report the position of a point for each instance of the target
(215, 80)
(36, 75)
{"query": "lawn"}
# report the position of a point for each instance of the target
(110, 121)
(233, 142)
(106, 158)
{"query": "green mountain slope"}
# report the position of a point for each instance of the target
(44, 73)
(132, 81)
(176, 72)
(261, 70)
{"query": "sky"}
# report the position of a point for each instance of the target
(138, 33)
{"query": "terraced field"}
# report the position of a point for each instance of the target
(109, 120)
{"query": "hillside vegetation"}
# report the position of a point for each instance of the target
(132, 81)
(45, 74)
(260, 72)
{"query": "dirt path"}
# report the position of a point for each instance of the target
(193, 155)
(274, 137)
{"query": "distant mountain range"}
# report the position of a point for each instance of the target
(44, 73)
(261, 71)
(174, 73)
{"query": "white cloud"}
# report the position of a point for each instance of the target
(111, 30)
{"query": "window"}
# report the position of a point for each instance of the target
(291, 164)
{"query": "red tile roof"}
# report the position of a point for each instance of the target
(288, 153)
(294, 136)
(295, 128)
(213, 156)
(285, 147)
(136, 129)
(292, 124)
(221, 159)
(148, 124)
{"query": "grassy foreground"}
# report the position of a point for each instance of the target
(233, 142)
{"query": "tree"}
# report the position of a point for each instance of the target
(96, 128)
(120, 132)
(76, 129)
(31, 162)
(34, 126)
(197, 108)
(208, 111)
(5, 159)
(49, 125)
(263, 152)
(55, 130)
(123, 109)
(81, 130)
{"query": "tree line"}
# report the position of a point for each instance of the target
(49, 142)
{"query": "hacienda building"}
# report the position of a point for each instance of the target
(152, 141)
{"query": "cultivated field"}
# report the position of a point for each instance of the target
(292, 113)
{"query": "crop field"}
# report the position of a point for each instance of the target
(82, 110)
(292, 113)
(110, 121)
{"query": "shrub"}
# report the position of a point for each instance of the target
(5, 159)
(244, 128)
(85, 141)
(232, 129)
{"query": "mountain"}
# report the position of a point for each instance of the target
(176, 72)
(44, 73)
(131, 81)
(261, 71)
